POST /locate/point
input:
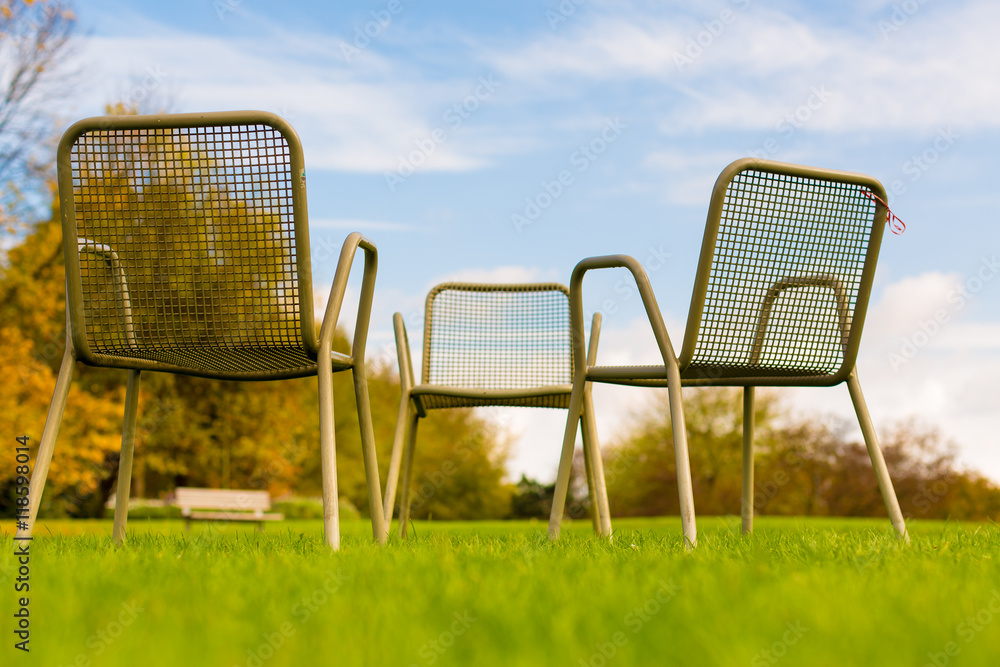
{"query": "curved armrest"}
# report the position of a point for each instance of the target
(114, 262)
(648, 301)
(406, 378)
(329, 327)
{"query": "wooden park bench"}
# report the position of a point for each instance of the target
(224, 505)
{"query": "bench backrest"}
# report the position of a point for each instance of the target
(188, 498)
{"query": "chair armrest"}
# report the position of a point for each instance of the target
(595, 335)
(329, 327)
(406, 377)
(648, 302)
(114, 262)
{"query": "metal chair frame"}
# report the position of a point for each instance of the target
(765, 218)
(489, 385)
(247, 158)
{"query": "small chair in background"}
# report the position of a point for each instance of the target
(492, 345)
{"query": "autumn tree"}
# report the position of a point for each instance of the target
(203, 432)
(32, 336)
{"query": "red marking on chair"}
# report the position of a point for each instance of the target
(896, 226)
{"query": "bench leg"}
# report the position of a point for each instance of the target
(125, 462)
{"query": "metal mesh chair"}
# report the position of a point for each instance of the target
(187, 251)
(780, 297)
(491, 345)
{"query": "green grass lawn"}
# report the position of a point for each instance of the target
(799, 592)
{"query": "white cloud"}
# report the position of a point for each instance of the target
(501, 274)
(764, 65)
(365, 116)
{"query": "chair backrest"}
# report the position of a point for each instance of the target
(785, 274)
(498, 337)
(186, 243)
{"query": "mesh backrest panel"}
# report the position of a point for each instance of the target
(785, 274)
(186, 240)
(498, 337)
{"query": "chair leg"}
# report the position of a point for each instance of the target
(875, 453)
(46, 445)
(748, 429)
(595, 511)
(404, 502)
(566, 458)
(683, 462)
(125, 462)
(328, 457)
(379, 530)
(403, 419)
(592, 452)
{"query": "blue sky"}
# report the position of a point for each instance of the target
(440, 130)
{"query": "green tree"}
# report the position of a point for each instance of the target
(803, 466)
(460, 459)
(165, 195)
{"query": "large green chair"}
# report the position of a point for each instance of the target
(492, 345)
(780, 297)
(187, 251)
